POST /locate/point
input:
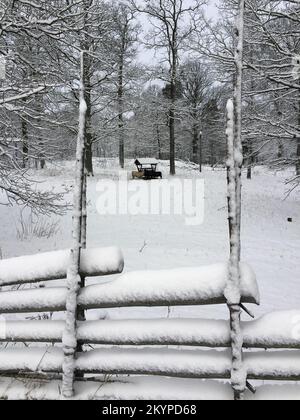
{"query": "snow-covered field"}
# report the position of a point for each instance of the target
(271, 245)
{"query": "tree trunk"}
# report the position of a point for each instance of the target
(298, 142)
(172, 125)
(40, 160)
(213, 160)
(250, 159)
(298, 157)
(121, 115)
(158, 141)
(249, 172)
(280, 151)
(88, 134)
(200, 152)
(195, 144)
(88, 126)
(25, 146)
(173, 106)
(250, 150)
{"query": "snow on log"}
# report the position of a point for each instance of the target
(54, 266)
(278, 392)
(31, 360)
(185, 332)
(127, 388)
(34, 300)
(211, 364)
(181, 287)
(189, 332)
(275, 330)
(33, 331)
(144, 388)
(272, 331)
(284, 365)
(157, 362)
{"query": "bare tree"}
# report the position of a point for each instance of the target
(26, 28)
(125, 33)
(173, 23)
(148, 127)
(196, 86)
(276, 26)
(95, 21)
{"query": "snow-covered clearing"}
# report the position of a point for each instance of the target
(271, 245)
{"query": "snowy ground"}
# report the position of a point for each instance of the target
(270, 243)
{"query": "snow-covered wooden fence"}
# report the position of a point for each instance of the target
(138, 347)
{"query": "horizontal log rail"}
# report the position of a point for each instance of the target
(54, 300)
(212, 364)
(138, 388)
(34, 300)
(54, 265)
(184, 287)
(178, 332)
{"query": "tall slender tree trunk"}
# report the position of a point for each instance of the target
(298, 157)
(200, 152)
(280, 151)
(298, 141)
(213, 159)
(172, 124)
(172, 142)
(121, 113)
(158, 140)
(88, 124)
(25, 145)
(173, 106)
(195, 147)
(250, 141)
(250, 159)
(40, 162)
(86, 47)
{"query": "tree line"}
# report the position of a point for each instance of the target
(173, 108)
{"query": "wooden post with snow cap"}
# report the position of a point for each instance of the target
(73, 276)
(232, 291)
(234, 165)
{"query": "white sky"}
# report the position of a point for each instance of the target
(147, 56)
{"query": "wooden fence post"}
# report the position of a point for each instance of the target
(232, 291)
(73, 276)
(234, 165)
